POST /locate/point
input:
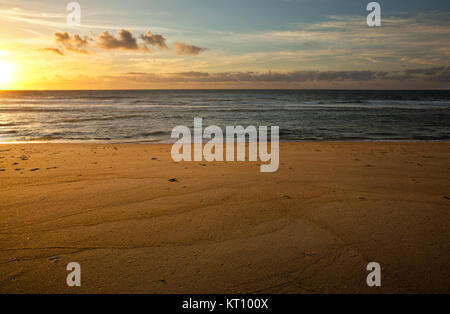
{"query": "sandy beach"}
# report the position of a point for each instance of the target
(137, 222)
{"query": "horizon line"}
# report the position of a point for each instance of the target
(217, 89)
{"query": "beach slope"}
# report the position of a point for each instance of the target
(137, 222)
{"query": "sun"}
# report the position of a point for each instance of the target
(6, 72)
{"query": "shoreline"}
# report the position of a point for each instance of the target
(156, 142)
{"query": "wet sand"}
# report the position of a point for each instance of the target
(137, 222)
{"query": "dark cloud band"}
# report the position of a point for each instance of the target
(441, 74)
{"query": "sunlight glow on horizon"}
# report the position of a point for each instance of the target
(289, 44)
(7, 70)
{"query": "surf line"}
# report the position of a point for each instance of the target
(213, 150)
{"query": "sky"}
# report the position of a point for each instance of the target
(159, 44)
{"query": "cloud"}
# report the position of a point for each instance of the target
(183, 49)
(295, 76)
(52, 20)
(154, 40)
(439, 74)
(394, 43)
(309, 44)
(72, 43)
(54, 50)
(124, 40)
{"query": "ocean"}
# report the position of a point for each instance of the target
(149, 116)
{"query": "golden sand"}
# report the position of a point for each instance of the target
(137, 222)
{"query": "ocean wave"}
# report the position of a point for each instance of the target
(148, 116)
(148, 134)
(8, 132)
(106, 118)
(7, 124)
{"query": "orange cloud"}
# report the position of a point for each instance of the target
(72, 43)
(183, 49)
(154, 40)
(54, 50)
(124, 40)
